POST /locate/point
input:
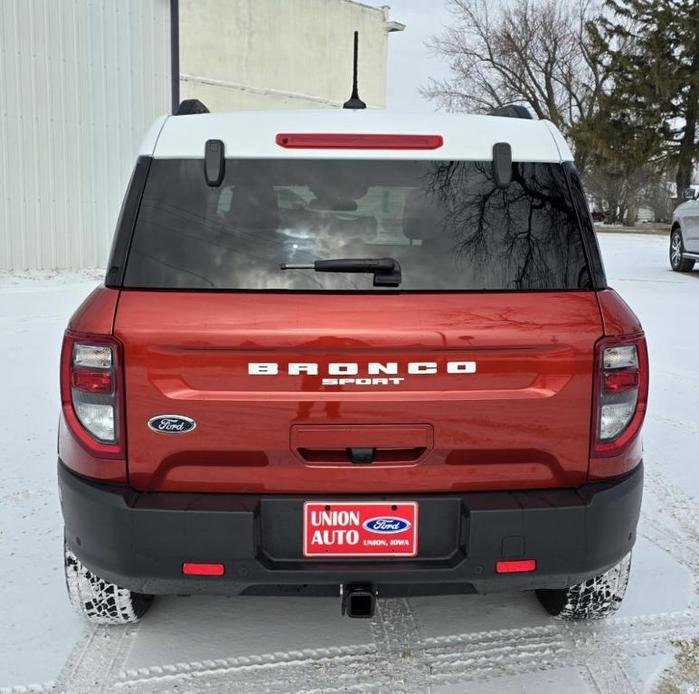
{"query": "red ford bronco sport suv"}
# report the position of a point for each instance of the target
(352, 353)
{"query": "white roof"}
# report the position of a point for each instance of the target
(251, 134)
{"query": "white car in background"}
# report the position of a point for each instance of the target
(684, 235)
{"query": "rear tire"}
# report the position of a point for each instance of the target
(596, 598)
(98, 600)
(677, 260)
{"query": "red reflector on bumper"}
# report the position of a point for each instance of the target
(357, 141)
(516, 567)
(190, 569)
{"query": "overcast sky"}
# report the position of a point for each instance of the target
(410, 64)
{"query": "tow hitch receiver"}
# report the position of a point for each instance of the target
(358, 600)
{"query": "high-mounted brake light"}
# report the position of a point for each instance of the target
(516, 567)
(620, 394)
(357, 141)
(196, 569)
(91, 392)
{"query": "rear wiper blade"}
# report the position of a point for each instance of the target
(386, 271)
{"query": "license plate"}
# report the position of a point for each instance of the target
(360, 529)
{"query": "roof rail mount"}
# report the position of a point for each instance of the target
(502, 164)
(190, 107)
(511, 111)
(214, 162)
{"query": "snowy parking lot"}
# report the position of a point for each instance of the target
(498, 643)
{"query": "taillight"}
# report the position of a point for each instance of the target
(621, 394)
(91, 392)
(93, 381)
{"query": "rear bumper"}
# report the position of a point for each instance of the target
(140, 541)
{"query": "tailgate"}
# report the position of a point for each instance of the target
(339, 393)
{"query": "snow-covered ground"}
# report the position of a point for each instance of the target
(447, 644)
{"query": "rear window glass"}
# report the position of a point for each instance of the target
(446, 222)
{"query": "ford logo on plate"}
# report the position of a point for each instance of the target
(386, 524)
(171, 424)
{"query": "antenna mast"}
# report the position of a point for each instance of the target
(354, 100)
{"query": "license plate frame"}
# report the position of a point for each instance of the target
(384, 529)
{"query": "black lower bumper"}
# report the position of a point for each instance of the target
(140, 540)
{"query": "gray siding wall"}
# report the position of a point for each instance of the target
(81, 81)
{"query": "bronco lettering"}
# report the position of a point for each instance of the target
(414, 368)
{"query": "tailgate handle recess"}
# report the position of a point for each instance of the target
(361, 444)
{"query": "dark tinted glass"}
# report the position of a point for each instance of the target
(446, 222)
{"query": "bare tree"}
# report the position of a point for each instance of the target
(619, 193)
(536, 52)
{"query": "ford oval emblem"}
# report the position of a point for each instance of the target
(386, 525)
(171, 424)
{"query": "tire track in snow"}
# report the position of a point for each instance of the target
(43, 688)
(675, 527)
(610, 676)
(602, 649)
(95, 660)
(408, 666)
(345, 668)
(397, 636)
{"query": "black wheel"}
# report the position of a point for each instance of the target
(596, 598)
(677, 260)
(100, 601)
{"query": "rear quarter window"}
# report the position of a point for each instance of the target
(446, 222)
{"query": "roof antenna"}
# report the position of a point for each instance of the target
(354, 100)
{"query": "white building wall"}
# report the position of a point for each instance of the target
(80, 81)
(260, 54)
